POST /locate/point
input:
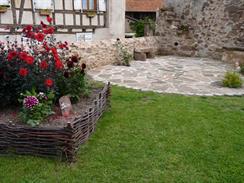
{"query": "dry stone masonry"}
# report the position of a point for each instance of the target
(100, 53)
(207, 28)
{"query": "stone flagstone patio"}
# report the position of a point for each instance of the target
(170, 74)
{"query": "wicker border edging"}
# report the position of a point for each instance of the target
(62, 143)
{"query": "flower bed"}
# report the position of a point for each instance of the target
(52, 141)
(42, 83)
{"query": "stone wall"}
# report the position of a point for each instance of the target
(201, 27)
(100, 53)
(174, 41)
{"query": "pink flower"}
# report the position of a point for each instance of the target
(30, 102)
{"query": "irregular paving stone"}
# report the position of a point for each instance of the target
(170, 74)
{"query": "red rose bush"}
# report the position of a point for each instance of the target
(38, 62)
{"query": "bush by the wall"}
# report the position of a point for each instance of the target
(232, 80)
(139, 26)
(242, 69)
(124, 56)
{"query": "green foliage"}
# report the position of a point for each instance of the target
(232, 80)
(124, 57)
(39, 112)
(149, 138)
(42, 63)
(9, 91)
(75, 85)
(139, 26)
(242, 69)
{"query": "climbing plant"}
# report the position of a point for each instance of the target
(139, 26)
(124, 57)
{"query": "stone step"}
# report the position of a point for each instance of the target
(229, 48)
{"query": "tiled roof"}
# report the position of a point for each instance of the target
(143, 5)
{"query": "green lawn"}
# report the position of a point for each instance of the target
(148, 137)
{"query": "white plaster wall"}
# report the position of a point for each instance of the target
(117, 18)
(115, 23)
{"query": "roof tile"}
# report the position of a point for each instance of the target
(143, 5)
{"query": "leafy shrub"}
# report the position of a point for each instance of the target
(36, 107)
(232, 80)
(139, 26)
(74, 81)
(38, 63)
(242, 69)
(42, 63)
(124, 57)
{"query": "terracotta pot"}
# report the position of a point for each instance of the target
(91, 14)
(45, 12)
(3, 9)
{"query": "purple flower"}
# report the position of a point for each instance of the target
(30, 102)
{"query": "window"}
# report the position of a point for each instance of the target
(102, 5)
(89, 4)
(77, 5)
(86, 4)
(4, 2)
(43, 4)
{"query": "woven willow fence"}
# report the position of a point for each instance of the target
(61, 143)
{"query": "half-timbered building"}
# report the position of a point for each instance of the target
(75, 20)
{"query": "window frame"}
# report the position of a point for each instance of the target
(87, 8)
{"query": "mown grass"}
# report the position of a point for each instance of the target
(148, 137)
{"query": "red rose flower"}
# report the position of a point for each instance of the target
(44, 65)
(49, 82)
(54, 51)
(43, 25)
(49, 30)
(30, 35)
(39, 37)
(29, 27)
(23, 72)
(59, 65)
(83, 66)
(70, 64)
(49, 19)
(29, 60)
(11, 55)
(74, 59)
(46, 46)
(61, 46)
(22, 55)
